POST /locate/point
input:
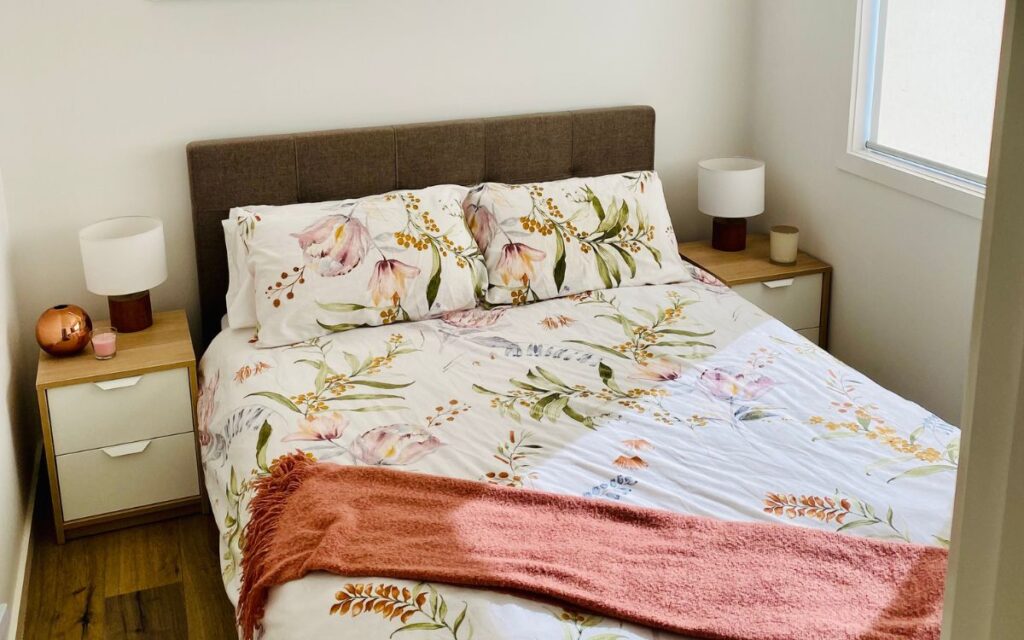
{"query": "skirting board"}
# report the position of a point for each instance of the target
(16, 612)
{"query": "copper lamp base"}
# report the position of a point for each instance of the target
(729, 234)
(131, 312)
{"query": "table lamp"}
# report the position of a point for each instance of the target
(123, 259)
(731, 190)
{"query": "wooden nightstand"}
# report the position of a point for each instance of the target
(119, 434)
(798, 295)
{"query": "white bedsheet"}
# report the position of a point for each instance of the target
(681, 397)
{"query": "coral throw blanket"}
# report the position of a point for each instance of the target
(695, 576)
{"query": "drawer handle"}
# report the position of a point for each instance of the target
(120, 383)
(126, 449)
(778, 284)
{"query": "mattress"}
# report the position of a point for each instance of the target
(682, 397)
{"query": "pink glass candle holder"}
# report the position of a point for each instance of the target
(104, 343)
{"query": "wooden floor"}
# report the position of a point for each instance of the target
(159, 581)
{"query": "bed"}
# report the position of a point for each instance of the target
(682, 397)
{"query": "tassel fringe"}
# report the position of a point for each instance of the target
(287, 474)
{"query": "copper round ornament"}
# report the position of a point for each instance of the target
(63, 330)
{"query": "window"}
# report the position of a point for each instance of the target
(925, 86)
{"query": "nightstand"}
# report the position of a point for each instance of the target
(798, 295)
(119, 434)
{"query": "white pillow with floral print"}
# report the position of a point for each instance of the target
(238, 226)
(557, 238)
(398, 256)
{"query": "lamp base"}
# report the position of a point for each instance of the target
(130, 313)
(729, 234)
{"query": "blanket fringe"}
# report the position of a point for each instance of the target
(287, 474)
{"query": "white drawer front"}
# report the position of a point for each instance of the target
(794, 301)
(811, 334)
(126, 476)
(100, 414)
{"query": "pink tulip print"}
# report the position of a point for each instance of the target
(388, 282)
(394, 444)
(334, 245)
(319, 427)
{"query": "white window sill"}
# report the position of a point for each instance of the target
(908, 178)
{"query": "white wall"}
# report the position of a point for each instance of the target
(15, 441)
(904, 268)
(100, 97)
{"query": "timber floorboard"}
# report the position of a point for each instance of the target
(159, 581)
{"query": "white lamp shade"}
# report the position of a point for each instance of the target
(730, 187)
(123, 255)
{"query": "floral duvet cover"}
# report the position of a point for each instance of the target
(681, 397)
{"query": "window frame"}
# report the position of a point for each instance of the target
(947, 186)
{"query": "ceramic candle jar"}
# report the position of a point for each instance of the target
(783, 244)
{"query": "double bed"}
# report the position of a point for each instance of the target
(682, 396)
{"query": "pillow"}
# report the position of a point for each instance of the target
(382, 259)
(557, 238)
(240, 299)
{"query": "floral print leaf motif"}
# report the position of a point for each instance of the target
(444, 414)
(246, 418)
(331, 386)
(547, 397)
(434, 284)
(236, 494)
(638, 180)
(286, 286)
(848, 513)
(514, 455)
(578, 625)
(559, 271)
(618, 234)
(277, 397)
(390, 280)
(655, 329)
(615, 238)
(422, 232)
(866, 422)
(391, 603)
(245, 223)
(261, 446)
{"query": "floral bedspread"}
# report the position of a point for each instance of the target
(681, 397)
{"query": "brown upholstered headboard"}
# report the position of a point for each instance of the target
(350, 163)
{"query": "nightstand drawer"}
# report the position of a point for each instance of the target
(794, 301)
(131, 475)
(100, 414)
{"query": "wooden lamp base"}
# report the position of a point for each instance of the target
(131, 312)
(729, 234)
